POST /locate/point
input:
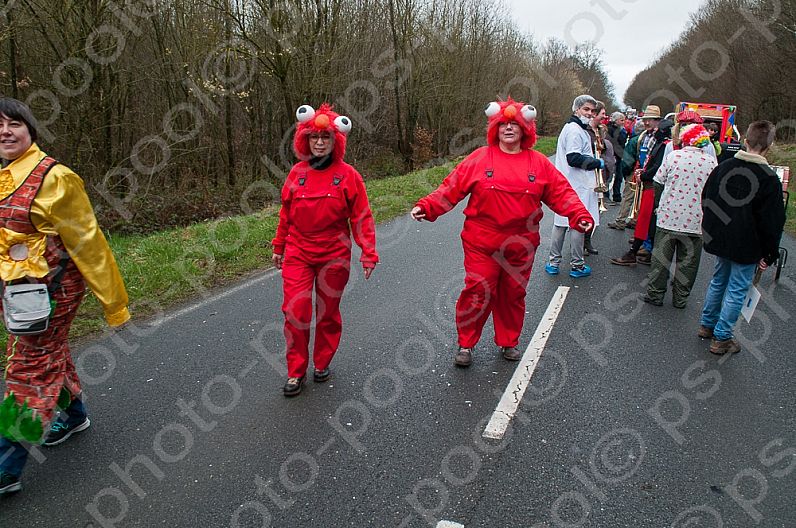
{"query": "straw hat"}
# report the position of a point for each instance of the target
(652, 112)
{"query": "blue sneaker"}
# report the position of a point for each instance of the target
(582, 271)
(550, 269)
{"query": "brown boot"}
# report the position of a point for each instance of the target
(464, 357)
(705, 332)
(725, 346)
(511, 353)
(628, 259)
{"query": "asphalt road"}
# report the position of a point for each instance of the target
(628, 421)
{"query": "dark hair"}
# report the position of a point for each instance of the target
(599, 106)
(664, 130)
(19, 111)
(760, 135)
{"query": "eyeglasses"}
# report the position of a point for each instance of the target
(315, 139)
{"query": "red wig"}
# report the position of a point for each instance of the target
(507, 111)
(322, 120)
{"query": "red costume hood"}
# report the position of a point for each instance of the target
(323, 119)
(507, 111)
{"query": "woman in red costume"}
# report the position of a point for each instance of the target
(323, 202)
(507, 183)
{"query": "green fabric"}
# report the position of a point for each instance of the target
(19, 423)
(64, 399)
(630, 156)
(688, 251)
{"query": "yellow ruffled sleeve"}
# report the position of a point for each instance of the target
(62, 208)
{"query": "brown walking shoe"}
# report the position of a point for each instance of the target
(725, 346)
(511, 353)
(617, 225)
(464, 357)
(705, 332)
(628, 259)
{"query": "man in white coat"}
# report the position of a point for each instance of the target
(575, 159)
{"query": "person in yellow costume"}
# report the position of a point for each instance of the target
(48, 235)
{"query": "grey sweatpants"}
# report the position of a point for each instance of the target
(575, 243)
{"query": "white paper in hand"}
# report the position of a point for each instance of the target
(750, 303)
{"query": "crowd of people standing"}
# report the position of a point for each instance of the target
(679, 193)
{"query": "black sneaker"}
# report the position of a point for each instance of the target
(9, 483)
(321, 375)
(293, 387)
(61, 431)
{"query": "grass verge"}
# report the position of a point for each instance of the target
(164, 269)
(546, 145)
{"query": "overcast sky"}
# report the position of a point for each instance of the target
(616, 28)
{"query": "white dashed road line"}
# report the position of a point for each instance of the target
(512, 396)
(449, 524)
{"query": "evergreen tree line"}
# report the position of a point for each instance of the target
(739, 52)
(174, 111)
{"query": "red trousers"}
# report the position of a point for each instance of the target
(497, 269)
(300, 273)
(644, 214)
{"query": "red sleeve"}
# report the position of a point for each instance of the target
(283, 226)
(561, 197)
(451, 191)
(362, 225)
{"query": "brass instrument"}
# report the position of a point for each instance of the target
(637, 188)
(599, 178)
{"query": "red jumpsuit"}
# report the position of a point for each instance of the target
(501, 233)
(314, 237)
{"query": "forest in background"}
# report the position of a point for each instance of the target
(175, 111)
(739, 52)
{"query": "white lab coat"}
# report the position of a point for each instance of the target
(573, 138)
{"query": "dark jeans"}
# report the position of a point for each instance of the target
(616, 188)
(13, 455)
(688, 248)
